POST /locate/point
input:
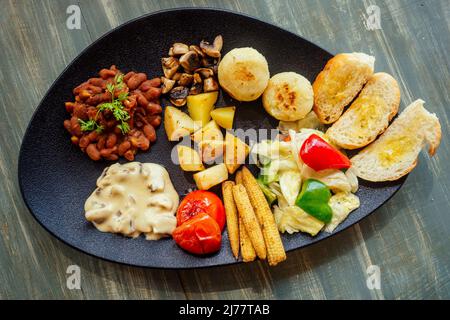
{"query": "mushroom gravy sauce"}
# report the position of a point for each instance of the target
(134, 198)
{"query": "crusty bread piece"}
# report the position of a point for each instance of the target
(394, 154)
(369, 115)
(339, 83)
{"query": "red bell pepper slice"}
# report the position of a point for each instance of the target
(320, 155)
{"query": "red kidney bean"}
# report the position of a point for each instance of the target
(80, 111)
(112, 157)
(91, 112)
(75, 128)
(101, 142)
(155, 82)
(144, 143)
(136, 80)
(92, 152)
(117, 92)
(93, 136)
(128, 76)
(84, 94)
(99, 98)
(129, 155)
(94, 89)
(142, 101)
(84, 141)
(107, 73)
(155, 121)
(153, 108)
(98, 82)
(152, 94)
(108, 151)
(123, 147)
(145, 85)
(67, 125)
(149, 132)
(130, 103)
(77, 90)
(111, 140)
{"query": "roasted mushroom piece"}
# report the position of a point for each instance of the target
(167, 84)
(190, 61)
(170, 66)
(209, 84)
(185, 79)
(212, 50)
(197, 49)
(205, 72)
(197, 78)
(180, 48)
(195, 89)
(178, 96)
(207, 62)
(176, 76)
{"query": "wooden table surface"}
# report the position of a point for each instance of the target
(408, 238)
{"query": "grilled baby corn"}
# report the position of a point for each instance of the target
(232, 217)
(275, 249)
(249, 220)
(238, 177)
(247, 251)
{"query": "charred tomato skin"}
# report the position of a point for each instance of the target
(201, 201)
(199, 235)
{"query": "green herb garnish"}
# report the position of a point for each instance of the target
(115, 106)
(90, 125)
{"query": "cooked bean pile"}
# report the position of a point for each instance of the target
(115, 114)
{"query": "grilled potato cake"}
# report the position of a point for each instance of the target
(288, 96)
(244, 74)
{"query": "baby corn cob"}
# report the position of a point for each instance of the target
(247, 251)
(238, 177)
(249, 220)
(232, 217)
(275, 249)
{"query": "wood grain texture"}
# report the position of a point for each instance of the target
(407, 238)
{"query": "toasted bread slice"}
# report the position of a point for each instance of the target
(369, 115)
(394, 154)
(339, 83)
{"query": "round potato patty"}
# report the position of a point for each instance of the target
(244, 74)
(288, 96)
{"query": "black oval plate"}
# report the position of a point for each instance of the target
(56, 178)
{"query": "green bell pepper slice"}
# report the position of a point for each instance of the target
(313, 199)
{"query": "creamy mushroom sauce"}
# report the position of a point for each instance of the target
(134, 198)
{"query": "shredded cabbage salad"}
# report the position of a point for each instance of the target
(283, 173)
